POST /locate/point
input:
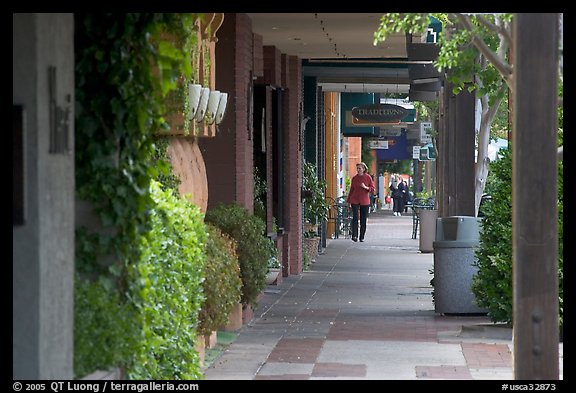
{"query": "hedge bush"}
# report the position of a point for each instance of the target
(222, 285)
(492, 285)
(253, 247)
(166, 289)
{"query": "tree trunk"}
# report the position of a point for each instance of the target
(482, 161)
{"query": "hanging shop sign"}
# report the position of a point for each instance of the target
(378, 114)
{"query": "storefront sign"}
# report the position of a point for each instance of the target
(378, 144)
(378, 114)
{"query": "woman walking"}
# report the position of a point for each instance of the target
(358, 199)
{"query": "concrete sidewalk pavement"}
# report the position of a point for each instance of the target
(365, 311)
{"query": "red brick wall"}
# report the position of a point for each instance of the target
(228, 156)
(244, 141)
(293, 164)
(258, 55)
(269, 161)
(285, 80)
(272, 69)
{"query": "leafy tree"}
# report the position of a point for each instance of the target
(475, 49)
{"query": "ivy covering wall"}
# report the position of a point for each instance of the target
(130, 311)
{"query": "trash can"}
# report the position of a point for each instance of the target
(427, 229)
(454, 264)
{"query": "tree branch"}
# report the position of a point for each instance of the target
(498, 29)
(504, 69)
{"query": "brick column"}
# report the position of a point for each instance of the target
(269, 162)
(229, 155)
(293, 169)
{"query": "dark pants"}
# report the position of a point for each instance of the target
(363, 210)
(398, 204)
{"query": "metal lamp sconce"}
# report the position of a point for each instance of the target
(202, 105)
(206, 104)
(213, 102)
(221, 108)
(194, 93)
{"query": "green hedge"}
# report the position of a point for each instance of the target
(166, 288)
(222, 285)
(253, 247)
(492, 285)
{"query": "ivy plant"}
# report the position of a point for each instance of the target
(166, 290)
(100, 311)
(125, 66)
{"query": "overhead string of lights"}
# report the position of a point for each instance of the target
(330, 40)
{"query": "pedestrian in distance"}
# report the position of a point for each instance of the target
(407, 198)
(393, 187)
(398, 196)
(358, 199)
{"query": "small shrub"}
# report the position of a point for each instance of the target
(222, 285)
(253, 247)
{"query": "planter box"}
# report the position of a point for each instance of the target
(211, 340)
(311, 247)
(248, 311)
(234, 319)
(274, 277)
(308, 227)
(247, 314)
(200, 348)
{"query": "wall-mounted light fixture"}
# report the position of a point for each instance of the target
(194, 92)
(203, 104)
(221, 108)
(213, 102)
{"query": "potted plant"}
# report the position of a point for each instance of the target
(274, 270)
(315, 209)
(315, 205)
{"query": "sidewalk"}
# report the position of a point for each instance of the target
(364, 311)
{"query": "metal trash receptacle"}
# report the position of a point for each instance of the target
(454, 264)
(427, 229)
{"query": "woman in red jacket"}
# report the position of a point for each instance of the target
(359, 199)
